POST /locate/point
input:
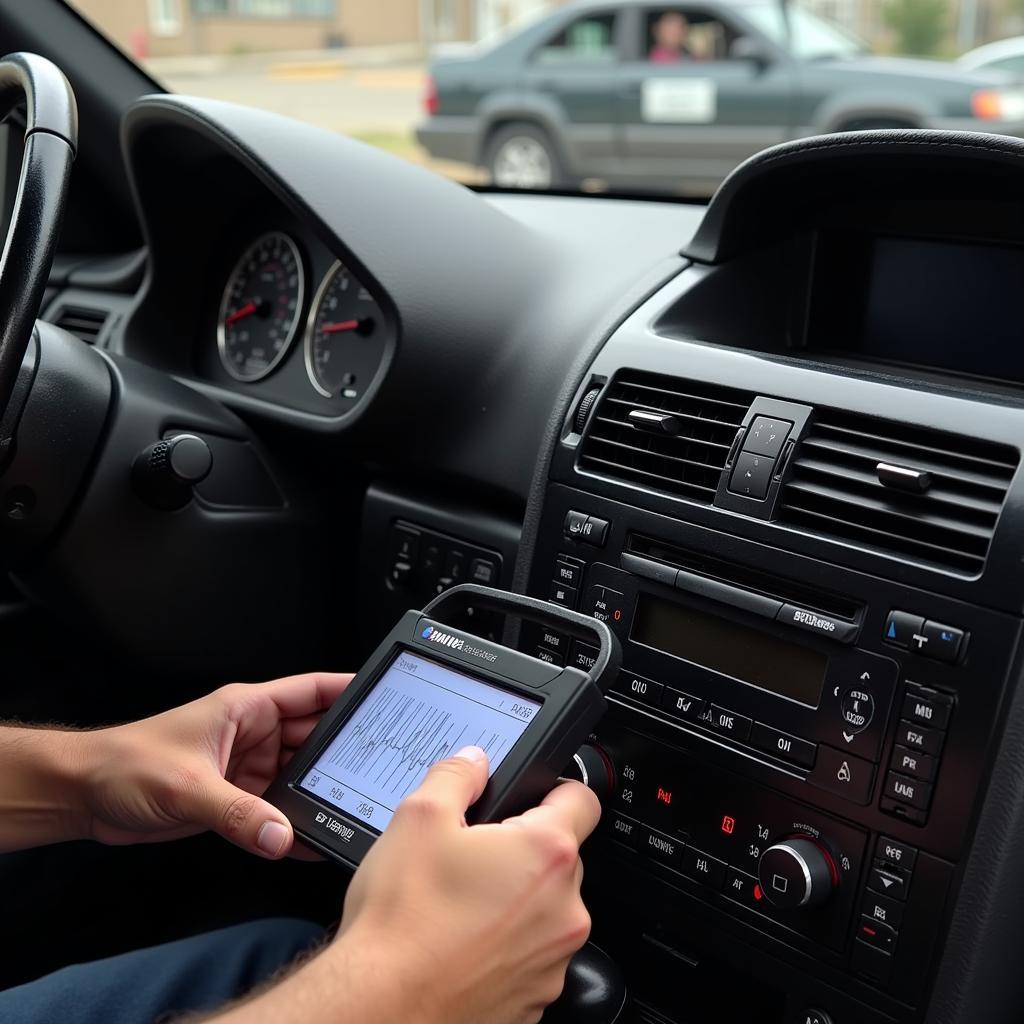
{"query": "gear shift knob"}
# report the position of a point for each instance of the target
(595, 991)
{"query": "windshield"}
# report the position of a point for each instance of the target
(596, 96)
(802, 33)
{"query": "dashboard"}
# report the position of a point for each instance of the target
(775, 443)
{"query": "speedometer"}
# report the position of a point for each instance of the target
(261, 307)
(342, 334)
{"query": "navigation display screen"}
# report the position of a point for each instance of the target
(746, 654)
(950, 306)
(417, 713)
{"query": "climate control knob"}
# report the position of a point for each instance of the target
(796, 873)
(593, 767)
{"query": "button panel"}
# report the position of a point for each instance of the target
(915, 762)
(423, 563)
(923, 636)
(883, 908)
(586, 528)
(713, 834)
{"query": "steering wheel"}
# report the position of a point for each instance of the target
(51, 136)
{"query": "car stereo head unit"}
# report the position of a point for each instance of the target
(429, 690)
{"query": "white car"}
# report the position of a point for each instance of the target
(1004, 55)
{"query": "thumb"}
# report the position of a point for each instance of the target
(243, 819)
(457, 782)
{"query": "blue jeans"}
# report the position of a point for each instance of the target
(150, 985)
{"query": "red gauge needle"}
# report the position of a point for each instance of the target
(341, 325)
(240, 314)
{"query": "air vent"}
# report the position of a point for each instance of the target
(664, 432)
(83, 322)
(836, 489)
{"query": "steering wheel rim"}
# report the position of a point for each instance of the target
(51, 139)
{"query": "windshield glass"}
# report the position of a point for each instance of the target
(595, 96)
(802, 33)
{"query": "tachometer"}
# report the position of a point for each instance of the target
(343, 324)
(259, 314)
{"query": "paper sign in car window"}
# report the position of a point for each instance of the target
(679, 100)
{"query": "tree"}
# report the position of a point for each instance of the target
(920, 25)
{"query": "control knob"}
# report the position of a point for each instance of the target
(165, 473)
(593, 767)
(797, 872)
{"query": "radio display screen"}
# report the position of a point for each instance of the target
(748, 655)
(417, 713)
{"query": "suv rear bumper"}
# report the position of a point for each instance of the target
(451, 138)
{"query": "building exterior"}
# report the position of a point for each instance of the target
(162, 28)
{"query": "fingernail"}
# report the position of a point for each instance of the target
(471, 754)
(271, 838)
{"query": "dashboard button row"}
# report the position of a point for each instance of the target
(923, 636)
(673, 852)
(683, 705)
(586, 529)
(915, 757)
(882, 909)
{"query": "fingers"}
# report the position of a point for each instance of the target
(297, 696)
(454, 784)
(571, 806)
(295, 730)
(238, 816)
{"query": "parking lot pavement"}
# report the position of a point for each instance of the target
(378, 103)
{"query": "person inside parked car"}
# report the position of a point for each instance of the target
(443, 922)
(670, 33)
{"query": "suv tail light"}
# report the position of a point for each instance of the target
(430, 100)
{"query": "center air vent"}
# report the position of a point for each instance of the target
(850, 482)
(664, 432)
(82, 321)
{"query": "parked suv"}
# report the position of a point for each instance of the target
(642, 95)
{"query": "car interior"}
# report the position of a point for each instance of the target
(772, 440)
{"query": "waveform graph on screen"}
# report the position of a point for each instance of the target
(418, 713)
(398, 736)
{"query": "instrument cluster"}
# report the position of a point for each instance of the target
(266, 320)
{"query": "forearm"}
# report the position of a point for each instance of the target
(341, 985)
(40, 788)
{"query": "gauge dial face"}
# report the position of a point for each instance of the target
(261, 307)
(343, 322)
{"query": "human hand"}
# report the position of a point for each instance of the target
(477, 923)
(204, 765)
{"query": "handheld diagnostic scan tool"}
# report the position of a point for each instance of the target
(429, 690)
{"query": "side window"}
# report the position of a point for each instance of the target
(588, 40)
(1015, 64)
(674, 35)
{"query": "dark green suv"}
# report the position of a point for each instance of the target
(674, 96)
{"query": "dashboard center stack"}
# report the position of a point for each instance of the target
(793, 728)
